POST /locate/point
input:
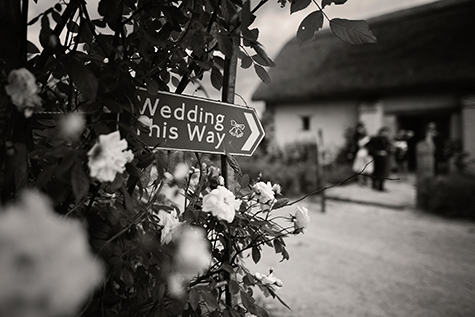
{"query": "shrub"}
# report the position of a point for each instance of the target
(336, 173)
(295, 168)
(450, 196)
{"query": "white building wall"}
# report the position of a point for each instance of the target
(332, 117)
(371, 114)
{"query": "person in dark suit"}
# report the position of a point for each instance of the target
(379, 148)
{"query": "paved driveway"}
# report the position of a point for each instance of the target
(359, 260)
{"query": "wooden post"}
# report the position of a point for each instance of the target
(320, 172)
(229, 87)
(13, 17)
(228, 92)
(425, 169)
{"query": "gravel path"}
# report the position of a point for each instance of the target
(357, 260)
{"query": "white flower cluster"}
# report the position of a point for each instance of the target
(222, 204)
(169, 222)
(23, 91)
(72, 125)
(301, 219)
(46, 267)
(269, 279)
(266, 192)
(108, 157)
(192, 257)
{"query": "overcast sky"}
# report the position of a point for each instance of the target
(276, 27)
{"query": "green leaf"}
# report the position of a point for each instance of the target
(228, 10)
(225, 44)
(175, 81)
(260, 312)
(227, 267)
(245, 181)
(127, 277)
(249, 280)
(278, 246)
(73, 27)
(266, 61)
(309, 27)
(246, 61)
(262, 73)
(246, 14)
(194, 298)
(79, 181)
(215, 314)
(85, 81)
(247, 301)
(219, 61)
(31, 48)
(230, 313)
(280, 203)
(328, 2)
(256, 254)
(45, 176)
(250, 37)
(261, 61)
(34, 20)
(234, 287)
(274, 295)
(298, 5)
(285, 255)
(234, 164)
(56, 17)
(209, 299)
(152, 86)
(352, 31)
(216, 78)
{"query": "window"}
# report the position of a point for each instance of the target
(306, 123)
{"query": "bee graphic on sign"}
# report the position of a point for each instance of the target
(236, 130)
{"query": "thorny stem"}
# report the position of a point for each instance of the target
(185, 80)
(139, 218)
(341, 183)
(89, 22)
(321, 9)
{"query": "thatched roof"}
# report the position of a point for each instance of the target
(430, 48)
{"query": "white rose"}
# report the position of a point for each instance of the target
(277, 189)
(301, 219)
(145, 121)
(108, 157)
(192, 257)
(221, 203)
(181, 171)
(175, 195)
(72, 125)
(264, 192)
(23, 90)
(269, 279)
(46, 266)
(169, 222)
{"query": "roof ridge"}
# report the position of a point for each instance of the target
(416, 10)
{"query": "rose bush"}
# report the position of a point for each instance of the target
(172, 238)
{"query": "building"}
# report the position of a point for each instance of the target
(421, 70)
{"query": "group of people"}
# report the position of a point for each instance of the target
(373, 154)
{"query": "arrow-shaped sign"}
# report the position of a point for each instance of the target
(188, 123)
